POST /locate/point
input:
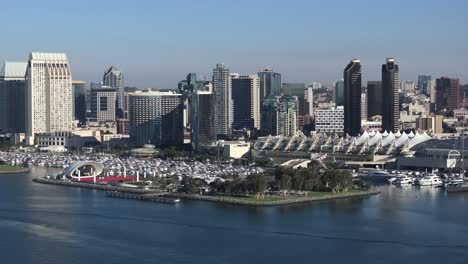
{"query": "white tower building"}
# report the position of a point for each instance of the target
(49, 94)
(223, 99)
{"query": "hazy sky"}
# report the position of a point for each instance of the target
(156, 43)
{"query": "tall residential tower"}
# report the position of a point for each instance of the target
(246, 101)
(49, 94)
(223, 99)
(390, 96)
(352, 105)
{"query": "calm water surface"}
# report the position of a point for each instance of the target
(50, 224)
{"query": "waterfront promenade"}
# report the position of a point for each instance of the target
(274, 200)
(238, 200)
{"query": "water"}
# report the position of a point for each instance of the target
(51, 224)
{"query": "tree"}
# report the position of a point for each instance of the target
(285, 183)
(257, 184)
(338, 181)
(283, 176)
(298, 179)
(188, 185)
(362, 185)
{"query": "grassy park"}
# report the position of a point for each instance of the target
(11, 169)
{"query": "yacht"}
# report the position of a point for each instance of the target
(429, 180)
(393, 180)
(454, 182)
(406, 180)
(379, 175)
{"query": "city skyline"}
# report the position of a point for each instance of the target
(311, 46)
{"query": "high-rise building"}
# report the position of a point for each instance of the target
(408, 87)
(202, 104)
(223, 99)
(374, 98)
(423, 81)
(390, 96)
(279, 115)
(433, 96)
(330, 120)
(123, 126)
(103, 106)
(339, 93)
(364, 113)
(296, 89)
(447, 94)
(309, 101)
(187, 87)
(352, 106)
(114, 78)
(270, 83)
(246, 101)
(79, 101)
(156, 118)
(13, 97)
(431, 124)
(316, 85)
(49, 94)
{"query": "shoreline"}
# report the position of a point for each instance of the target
(216, 199)
(19, 169)
(92, 186)
(234, 201)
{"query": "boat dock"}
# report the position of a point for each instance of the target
(151, 197)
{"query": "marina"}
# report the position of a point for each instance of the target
(129, 168)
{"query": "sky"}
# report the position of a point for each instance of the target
(157, 42)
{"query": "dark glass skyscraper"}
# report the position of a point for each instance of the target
(13, 97)
(339, 93)
(447, 94)
(296, 89)
(79, 101)
(390, 96)
(270, 83)
(245, 100)
(423, 84)
(374, 98)
(202, 118)
(352, 105)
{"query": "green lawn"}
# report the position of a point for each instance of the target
(9, 168)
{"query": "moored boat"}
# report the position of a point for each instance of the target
(430, 179)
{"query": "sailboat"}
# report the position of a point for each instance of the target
(456, 185)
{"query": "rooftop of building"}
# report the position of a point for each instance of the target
(14, 70)
(48, 56)
(114, 70)
(155, 93)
